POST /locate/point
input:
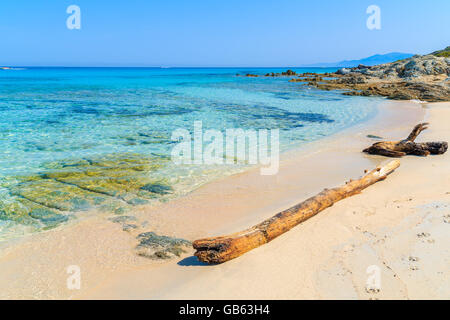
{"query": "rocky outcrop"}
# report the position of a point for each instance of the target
(344, 71)
(409, 69)
(422, 78)
(404, 91)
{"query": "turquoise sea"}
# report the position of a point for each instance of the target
(77, 139)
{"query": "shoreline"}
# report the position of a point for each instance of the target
(106, 254)
(250, 181)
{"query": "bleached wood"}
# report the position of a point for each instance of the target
(221, 249)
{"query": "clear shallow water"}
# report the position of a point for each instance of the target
(101, 119)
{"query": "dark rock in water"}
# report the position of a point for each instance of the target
(49, 218)
(273, 74)
(137, 202)
(125, 222)
(154, 246)
(157, 188)
(79, 204)
(129, 226)
(289, 73)
(371, 136)
(122, 219)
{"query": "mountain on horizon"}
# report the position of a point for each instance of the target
(369, 61)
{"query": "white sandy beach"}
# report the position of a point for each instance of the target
(400, 225)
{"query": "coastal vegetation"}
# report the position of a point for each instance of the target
(442, 53)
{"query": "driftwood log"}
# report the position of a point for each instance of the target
(401, 148)
(221, 249)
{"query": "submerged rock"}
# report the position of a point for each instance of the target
(157, 188)
(372, 136)
(154, 246)
(110, 183)
(129, 226)
(123, 219)
(29, 213)
(125, 222)
(49, 218)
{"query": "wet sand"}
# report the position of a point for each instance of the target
(399, 225)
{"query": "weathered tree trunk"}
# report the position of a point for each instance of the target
(401, 148)
(222, 249)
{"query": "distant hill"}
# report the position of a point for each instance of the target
(370, 61)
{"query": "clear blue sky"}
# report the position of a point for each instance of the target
(215, 33)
